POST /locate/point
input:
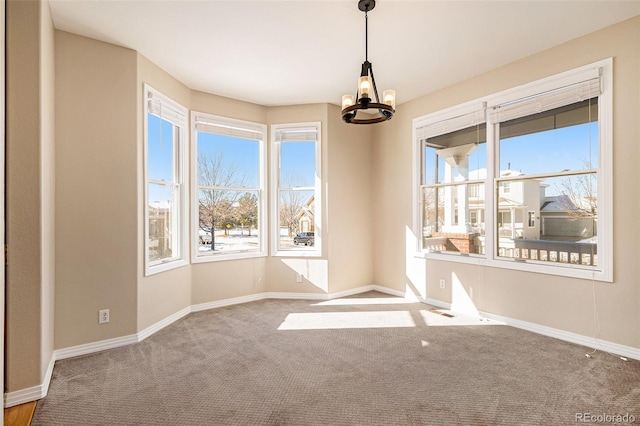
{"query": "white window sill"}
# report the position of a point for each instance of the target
(165, 266)
(217, 257)
(559, 269)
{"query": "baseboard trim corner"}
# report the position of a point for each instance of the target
(152, 329)
(34, 393)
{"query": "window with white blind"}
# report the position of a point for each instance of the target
(296, 195)
(229, 178)
(453, 172)
(534, 163)
(165, 144)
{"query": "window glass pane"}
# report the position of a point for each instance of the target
(162, 241)
(561, 139)
(161, 149)
(297, 164)
(453, 219)
(297, 209)
(456, 156)
(227, 161)
(453, 215)
(562, 229)
(228, 221)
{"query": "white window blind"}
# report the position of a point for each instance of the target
(452, 124)
(546, 101)
(225, 127)
(296, 135)
(166, 110)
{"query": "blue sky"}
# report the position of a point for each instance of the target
(568, 148)
(160, 149)
(551, 151)
(297, 165)
(243, 155)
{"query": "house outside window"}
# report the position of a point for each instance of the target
(548, 156)
(296, 191)
(229, 178)
(453, 172)
(165, 141)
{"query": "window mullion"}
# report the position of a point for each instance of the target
(491, 206)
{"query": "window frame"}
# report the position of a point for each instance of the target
(604, 171)
(309, 251)
(452, 119)
(242, 126)
(531, 219)
(178, 117)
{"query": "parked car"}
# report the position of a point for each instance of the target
(205, 238)
(305, 238)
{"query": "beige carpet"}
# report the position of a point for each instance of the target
(296, 362)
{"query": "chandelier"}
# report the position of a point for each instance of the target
(367, 86)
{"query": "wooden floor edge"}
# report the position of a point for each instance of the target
(20, 415)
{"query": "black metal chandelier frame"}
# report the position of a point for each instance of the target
(349, 114)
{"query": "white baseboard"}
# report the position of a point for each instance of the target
(227, 302)
(163, 323)
(578, 339)
(22, 396)
(388, 291)
(34, 393)
(93, 347)
(37, 392)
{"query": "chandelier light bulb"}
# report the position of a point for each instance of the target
(348, 100)
(364, 87)
(389, 98)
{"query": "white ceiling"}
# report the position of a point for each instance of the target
(297, 52)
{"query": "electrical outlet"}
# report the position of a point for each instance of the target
(442, 283)
(103, 316)
(298, 278)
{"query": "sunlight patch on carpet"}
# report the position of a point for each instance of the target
(338, 320)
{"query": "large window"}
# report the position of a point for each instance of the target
(228, 171)
(549, 160)
(538, 173)
(165, 194)
(296, 194)
(453, 169)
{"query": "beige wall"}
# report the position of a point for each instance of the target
(3, 145)
(47, 182)
(349, 203)
(558, 302)
(281, 271)
(30, 196)
(97, 104)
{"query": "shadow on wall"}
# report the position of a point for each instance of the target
(314, 271)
